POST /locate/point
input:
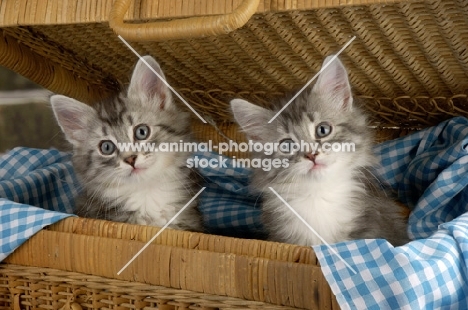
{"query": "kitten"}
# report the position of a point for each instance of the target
(334, 192)
(144, 187)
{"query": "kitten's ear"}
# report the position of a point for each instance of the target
(333, 84)
(73, 117)
(146, 82)
(252, 118)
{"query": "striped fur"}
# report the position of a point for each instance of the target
(158, 184)
(335, 192)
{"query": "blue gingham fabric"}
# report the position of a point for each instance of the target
(37, 188)
(227, 205)
(428, 170)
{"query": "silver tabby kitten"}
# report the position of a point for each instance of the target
(139, 187)
(334, 192)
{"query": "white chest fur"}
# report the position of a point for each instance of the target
(155, 201)
(154, 205)
(327, 205)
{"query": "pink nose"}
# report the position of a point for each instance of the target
(131, 160)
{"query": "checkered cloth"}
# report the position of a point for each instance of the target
(227, 205)
(30, 177)
(429, 171)
(34, 181)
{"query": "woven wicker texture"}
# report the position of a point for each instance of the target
(409, 61)
(408, 65)
(253, 270)
(28, 288)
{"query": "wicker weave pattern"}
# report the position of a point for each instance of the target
(409, 59)
(408, 64)
(253, 270)
(40, 288)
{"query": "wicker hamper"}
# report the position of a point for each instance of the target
(408, 63)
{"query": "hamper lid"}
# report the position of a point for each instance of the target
(408, 61)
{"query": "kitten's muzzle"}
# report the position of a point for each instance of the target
(311, 156)
(131, 160)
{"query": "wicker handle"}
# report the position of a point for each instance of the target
(192, 27)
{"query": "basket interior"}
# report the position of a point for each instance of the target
(408, 62)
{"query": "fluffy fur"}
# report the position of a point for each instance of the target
(146, 188)
(335, 192)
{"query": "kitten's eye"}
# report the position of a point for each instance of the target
(106, 147)
(287, 146)
(142, 132)
(323, 130)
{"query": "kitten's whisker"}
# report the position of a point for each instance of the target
(374, 176)
(258, 197)
(313, 230)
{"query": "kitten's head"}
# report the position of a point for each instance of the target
(323, 117)
(144, 114)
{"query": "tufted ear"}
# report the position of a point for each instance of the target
(333, 85)
(73, 117)
(251, 118)
(146, 82)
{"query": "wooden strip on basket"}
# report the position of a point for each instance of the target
(52, 12)
(187, 240)
(225, 274)
(186, 28)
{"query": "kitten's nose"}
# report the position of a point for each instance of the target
(131, 160)
(311, 156)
